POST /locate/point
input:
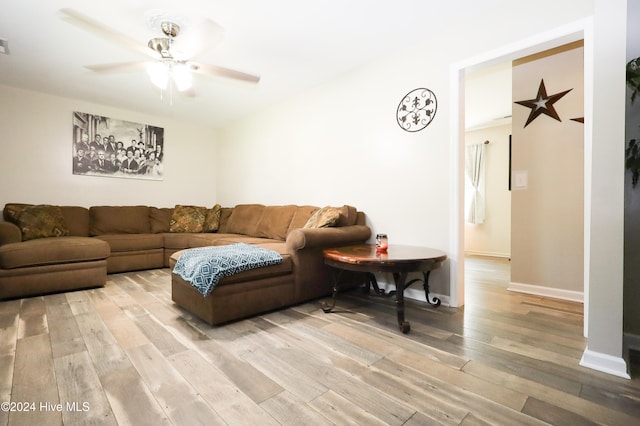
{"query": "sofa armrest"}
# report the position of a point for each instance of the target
(327, 237)
(9, 233)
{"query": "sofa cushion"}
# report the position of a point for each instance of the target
(77, 219)
(42, 221)
(204, 239)
(225, 214)
(348, 216)
(132, 242)
(274, 222)
(160, 219)
(226, 239)
(187, 219)
(119, 220)
(301, 216)
(244, 219)
(212, 219)
(51, 251)
(177, 240)
(326, 216)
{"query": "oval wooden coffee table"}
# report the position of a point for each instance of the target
(399, 260)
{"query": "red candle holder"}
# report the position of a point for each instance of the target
(382, 243)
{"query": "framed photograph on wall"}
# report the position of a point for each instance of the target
(109, 147)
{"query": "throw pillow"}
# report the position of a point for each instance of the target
(212, 219)
(326, 216)
(42, 221)
(187, 219)
(12, 212)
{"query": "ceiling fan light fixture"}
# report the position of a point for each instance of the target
(182, 77)
(159, 74)
(161, 45)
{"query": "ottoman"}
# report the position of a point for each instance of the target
(238, 296)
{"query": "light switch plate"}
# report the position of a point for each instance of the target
(520, 179)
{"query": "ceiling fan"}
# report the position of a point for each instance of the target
(171, 55)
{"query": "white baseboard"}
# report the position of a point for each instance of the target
(417, 293)
(604, 362)
(487, 254)
(556, 293)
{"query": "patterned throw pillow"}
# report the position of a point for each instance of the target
(42, 221)
(187, 219)
(212, 219)
(12, 212)
(326, 216)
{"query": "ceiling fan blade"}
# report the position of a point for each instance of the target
(83, 21)
(118, 67)
(197, 38)
(224, 72)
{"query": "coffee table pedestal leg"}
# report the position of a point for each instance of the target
(328, 307)
(434, 301)
(400, 279)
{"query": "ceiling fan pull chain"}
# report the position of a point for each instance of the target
(170, 35)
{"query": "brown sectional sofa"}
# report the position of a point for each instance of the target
(110, 239)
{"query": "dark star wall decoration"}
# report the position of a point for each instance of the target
(542, 104)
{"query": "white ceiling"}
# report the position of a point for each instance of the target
(290, 44)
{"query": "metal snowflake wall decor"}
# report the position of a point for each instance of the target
(417, 109)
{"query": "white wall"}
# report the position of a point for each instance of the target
(340, 144)
(493, 237)
(36, 157)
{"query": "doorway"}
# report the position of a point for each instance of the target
(488, 129)
(540, 43)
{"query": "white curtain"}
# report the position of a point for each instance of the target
(474, 168)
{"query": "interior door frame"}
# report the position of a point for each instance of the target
(575, 31)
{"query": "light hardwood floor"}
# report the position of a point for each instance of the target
(125, 354)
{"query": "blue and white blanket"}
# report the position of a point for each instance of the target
(204, 267)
